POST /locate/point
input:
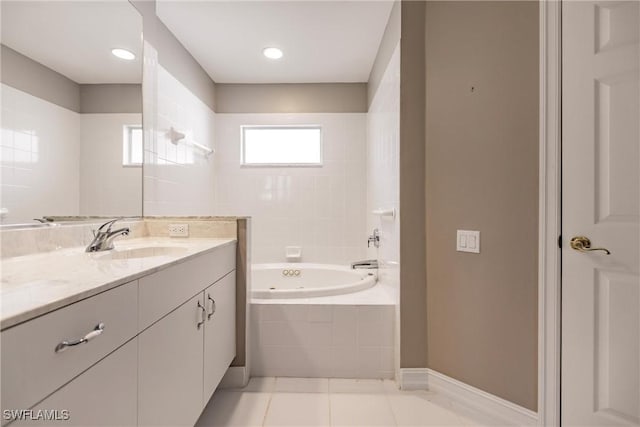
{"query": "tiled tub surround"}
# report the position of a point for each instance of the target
(319, 337)
(36, 284)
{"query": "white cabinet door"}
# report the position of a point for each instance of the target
(219, 332)
(170, 367)
(104, 395)
(601, 202)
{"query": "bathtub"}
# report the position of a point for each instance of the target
(305, 280)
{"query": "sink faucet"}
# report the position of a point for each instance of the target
(103, 238)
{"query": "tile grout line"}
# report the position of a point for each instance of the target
(266, 412)
(329, 399)
(393, 414)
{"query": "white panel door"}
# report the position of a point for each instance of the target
(219, 331)
(601, 199)
(170, 368)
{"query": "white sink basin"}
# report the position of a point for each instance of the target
(142, 252)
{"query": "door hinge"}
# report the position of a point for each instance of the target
(560, 241)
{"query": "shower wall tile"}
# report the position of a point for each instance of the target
(383, 159)
(39, 158)
(179, 179)
(106, 187)
(383, 178)
(322, 209)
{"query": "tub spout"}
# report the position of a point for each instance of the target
(369, 264)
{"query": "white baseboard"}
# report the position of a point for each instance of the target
(413, 379)
(501, 410)
(235, 377)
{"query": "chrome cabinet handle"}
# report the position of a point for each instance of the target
(204, 313)
(96, 332)
(213, 306)
(583, 244)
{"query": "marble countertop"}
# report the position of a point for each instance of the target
(33, 285)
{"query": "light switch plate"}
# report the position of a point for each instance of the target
(468, 241)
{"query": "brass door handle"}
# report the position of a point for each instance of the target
(583, 244)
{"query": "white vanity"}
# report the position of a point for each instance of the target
(126, 338)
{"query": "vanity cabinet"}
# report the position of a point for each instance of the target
(156, 349)
(219, 332)
(170, 357)
(104, 395)
(32, 368)
(183, 356)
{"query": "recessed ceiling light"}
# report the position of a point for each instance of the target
(123, 54)
(272, 52)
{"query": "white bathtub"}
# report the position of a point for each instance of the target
(304, 280)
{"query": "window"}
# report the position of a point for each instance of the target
(281, 146)
(132, 145)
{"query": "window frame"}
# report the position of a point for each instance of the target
(127, 132)
(243, 164)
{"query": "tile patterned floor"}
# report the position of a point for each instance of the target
(301, 402)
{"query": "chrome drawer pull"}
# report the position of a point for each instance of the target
(213, 306)
(97, 331)
(204, 313)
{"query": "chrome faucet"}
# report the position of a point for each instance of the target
(374, 238)
(367, 264)
(103, 238)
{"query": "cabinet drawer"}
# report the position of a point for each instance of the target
(105, 395)
(32, 369)
(165, 290)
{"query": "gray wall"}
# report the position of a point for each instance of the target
(27, 75)
(292, 98)
(389, 41)
(482, 174)
(413, 319)
(173, 56)
(111, 98)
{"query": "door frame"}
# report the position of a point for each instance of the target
(549, 219)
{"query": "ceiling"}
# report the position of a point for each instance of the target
(322, 41)
(75, 38)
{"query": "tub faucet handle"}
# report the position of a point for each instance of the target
(374, 238)
(367, 264)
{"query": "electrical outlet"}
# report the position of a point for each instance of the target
(178, 230)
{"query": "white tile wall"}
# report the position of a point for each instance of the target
(339, 341)
(39, 157)
(178, 178)
(321, 209)
(383, 177)
(107, 187)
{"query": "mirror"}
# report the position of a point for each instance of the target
(71, 119)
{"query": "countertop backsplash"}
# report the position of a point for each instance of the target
(19, 242)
